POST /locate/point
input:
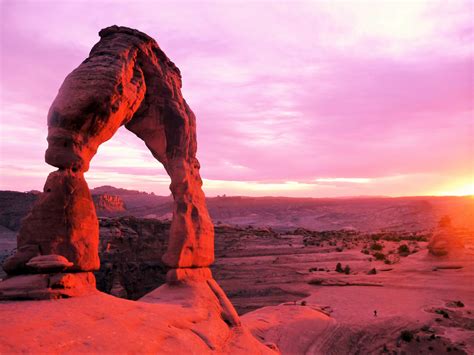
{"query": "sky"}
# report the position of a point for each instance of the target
(298, 98)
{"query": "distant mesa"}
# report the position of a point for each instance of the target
(105, 203)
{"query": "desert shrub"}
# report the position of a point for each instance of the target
(376, 246)
(388, 262)
(376, 236)
(347, 270)
(339, 267)
(442, 312)
(406, 335)
(425, 328)
(303, 303)
(372, 272)
(364, 251)
(379, 256)
(403, 249)
(339, 249)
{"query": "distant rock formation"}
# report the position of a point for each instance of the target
(445, 239)
(127, 80)
(14, 206)
(106, 204)
(130, 252)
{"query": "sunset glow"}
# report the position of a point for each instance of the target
(309, 99)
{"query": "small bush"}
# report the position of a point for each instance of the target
(443, 313)
(406, 335)
(364, 251)
(403, 249)
(372, 272)
(339, 267)
(347, 270)
(376, 246)
(379, 256)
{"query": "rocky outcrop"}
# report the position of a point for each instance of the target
(14, 206)
(49, 263)
(185, 319)
(108, 204)
(128, 81)
(130, 251)
(445, 239)
(62, 222)
(48, 286)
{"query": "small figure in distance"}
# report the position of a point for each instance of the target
(375, 313)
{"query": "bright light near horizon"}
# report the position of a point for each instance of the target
(463, 190)
(349, 180)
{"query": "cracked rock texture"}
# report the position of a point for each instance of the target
(127, 80)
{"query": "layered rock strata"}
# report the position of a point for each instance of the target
(127, 80)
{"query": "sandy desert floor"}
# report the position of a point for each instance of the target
(426, 300)
(289, 294)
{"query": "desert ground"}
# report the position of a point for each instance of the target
(389, 294)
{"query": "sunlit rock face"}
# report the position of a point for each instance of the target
(126, 80)
(445, 239)
(62, 222)
(108, 204)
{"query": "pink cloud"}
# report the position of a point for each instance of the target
(282, 93)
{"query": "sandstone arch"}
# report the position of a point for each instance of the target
(126, 80)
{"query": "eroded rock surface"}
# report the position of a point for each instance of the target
(130, 252)
(126, 80)
(108, 204)
(445, 239)
(62, 222)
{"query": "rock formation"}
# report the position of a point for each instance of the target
(127, 80)
(130, 252)
(108, 204)
(445, 239)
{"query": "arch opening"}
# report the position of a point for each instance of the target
(128, 81)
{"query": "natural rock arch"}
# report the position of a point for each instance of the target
(126, 80)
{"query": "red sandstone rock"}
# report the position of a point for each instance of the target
(105, 204)
(446, 239)
(175, 276)
(62, 222)
(49, 263)
(47, 286)
(126, 80)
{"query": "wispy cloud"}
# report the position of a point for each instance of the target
(334, 97)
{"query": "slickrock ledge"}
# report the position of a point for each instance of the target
(185, 318)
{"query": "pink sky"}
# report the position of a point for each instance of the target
(305, 98)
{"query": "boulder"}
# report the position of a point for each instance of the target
(445, 239)
(47, 286)
(49, 263)
(127, 80)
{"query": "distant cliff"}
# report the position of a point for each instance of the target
(108, 204)
(368, 214)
